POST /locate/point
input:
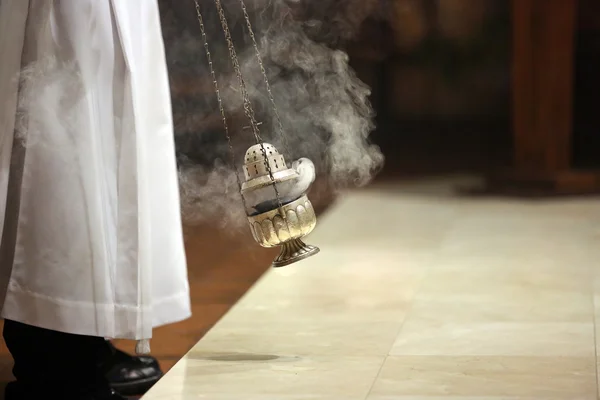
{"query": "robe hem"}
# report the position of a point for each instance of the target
(102, 320)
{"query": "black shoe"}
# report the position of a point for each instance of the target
(132, 375)
(15, 391)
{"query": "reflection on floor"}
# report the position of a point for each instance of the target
(418, 294)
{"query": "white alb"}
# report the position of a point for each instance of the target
(91, 237)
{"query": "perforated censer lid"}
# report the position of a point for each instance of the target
(255, 167)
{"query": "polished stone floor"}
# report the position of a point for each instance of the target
(418, 293)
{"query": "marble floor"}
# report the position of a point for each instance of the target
(418, 293)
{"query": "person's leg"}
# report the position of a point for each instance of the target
(54, 364)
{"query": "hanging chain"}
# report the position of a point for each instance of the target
(281, 131)
(247, 104)
(220, 101)
(248, 110)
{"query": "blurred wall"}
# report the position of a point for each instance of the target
(440, 73)
(438, 59)
(586, 146)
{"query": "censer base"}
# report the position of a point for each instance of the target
(294, 251)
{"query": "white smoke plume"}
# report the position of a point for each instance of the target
(323, 106)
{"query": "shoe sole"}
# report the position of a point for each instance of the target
(136, 388)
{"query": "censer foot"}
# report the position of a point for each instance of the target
(294, 251)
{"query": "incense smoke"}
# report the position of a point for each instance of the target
(324, 107)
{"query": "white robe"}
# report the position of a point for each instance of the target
(92, 240)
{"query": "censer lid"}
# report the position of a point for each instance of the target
(255, 167)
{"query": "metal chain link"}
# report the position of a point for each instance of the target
(220, 101)
(264, 74)
(248, 110)
(247, 104)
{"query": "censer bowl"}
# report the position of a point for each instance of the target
(271, 230)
